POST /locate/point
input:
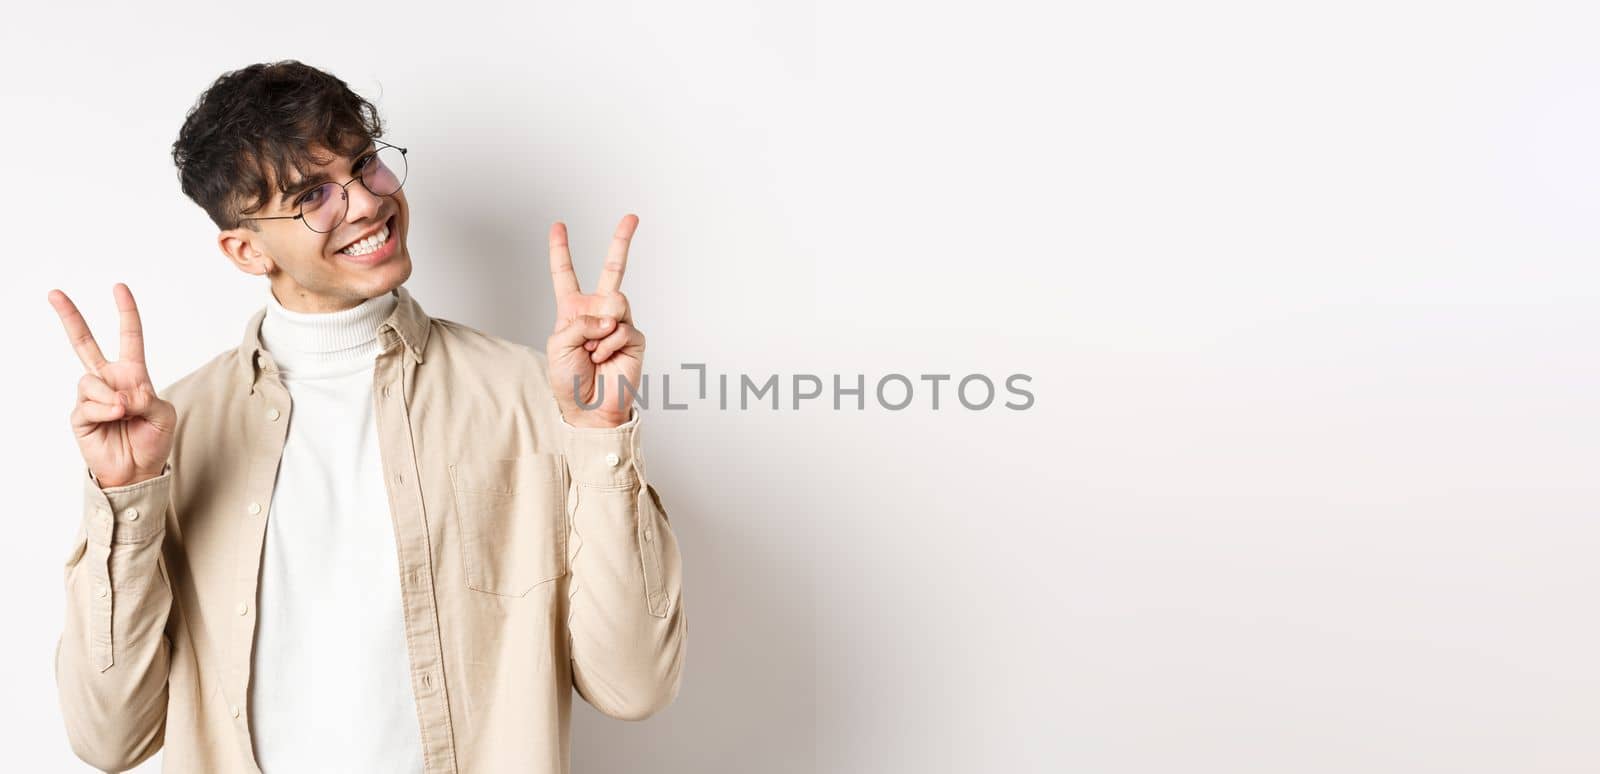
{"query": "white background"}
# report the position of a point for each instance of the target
(1307, 293)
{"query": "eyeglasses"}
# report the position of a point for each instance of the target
(323, 208)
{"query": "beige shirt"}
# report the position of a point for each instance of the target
(534, 558)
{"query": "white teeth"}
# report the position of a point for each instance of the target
(369, 244)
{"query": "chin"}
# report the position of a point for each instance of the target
(392, 274)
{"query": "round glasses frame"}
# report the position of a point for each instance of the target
(344, 193)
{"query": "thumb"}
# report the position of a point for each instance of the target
(581, 329)
(137, 401)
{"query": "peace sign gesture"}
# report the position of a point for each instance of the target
(594, 339)
(124, 430)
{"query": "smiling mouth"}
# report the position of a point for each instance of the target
(372, 243)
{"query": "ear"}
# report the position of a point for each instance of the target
(242, 246)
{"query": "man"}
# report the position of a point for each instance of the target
(366, 539)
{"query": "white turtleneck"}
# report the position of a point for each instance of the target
(330, 571)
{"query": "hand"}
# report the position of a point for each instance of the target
(124, 429)
(594, 338)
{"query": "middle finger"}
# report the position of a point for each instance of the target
(78, 332)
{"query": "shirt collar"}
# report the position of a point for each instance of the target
(407, 321)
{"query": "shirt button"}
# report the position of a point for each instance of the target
(235, 710)
(612, 459)
(647, 536)
(132, 514)
(243, 608)
(255, 508)
(100, 590)
(386, 391)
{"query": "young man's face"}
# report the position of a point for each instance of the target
(310, 271)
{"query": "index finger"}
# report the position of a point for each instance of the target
(617, 256)
(78, 332)
(132, 346)
(561, 273)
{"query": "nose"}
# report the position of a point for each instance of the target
(363, 203)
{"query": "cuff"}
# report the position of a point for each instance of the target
(132, 513)
(604, 456)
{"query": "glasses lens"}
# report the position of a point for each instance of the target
(324, 207)
(385, 172)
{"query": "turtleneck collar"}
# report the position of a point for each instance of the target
(313, 344)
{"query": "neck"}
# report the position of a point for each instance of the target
(324, 343)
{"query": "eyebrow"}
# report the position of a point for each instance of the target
(300, 186)
(303, 184)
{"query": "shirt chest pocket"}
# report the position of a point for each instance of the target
(512, 518)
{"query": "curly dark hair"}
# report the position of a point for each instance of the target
(270, 116)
